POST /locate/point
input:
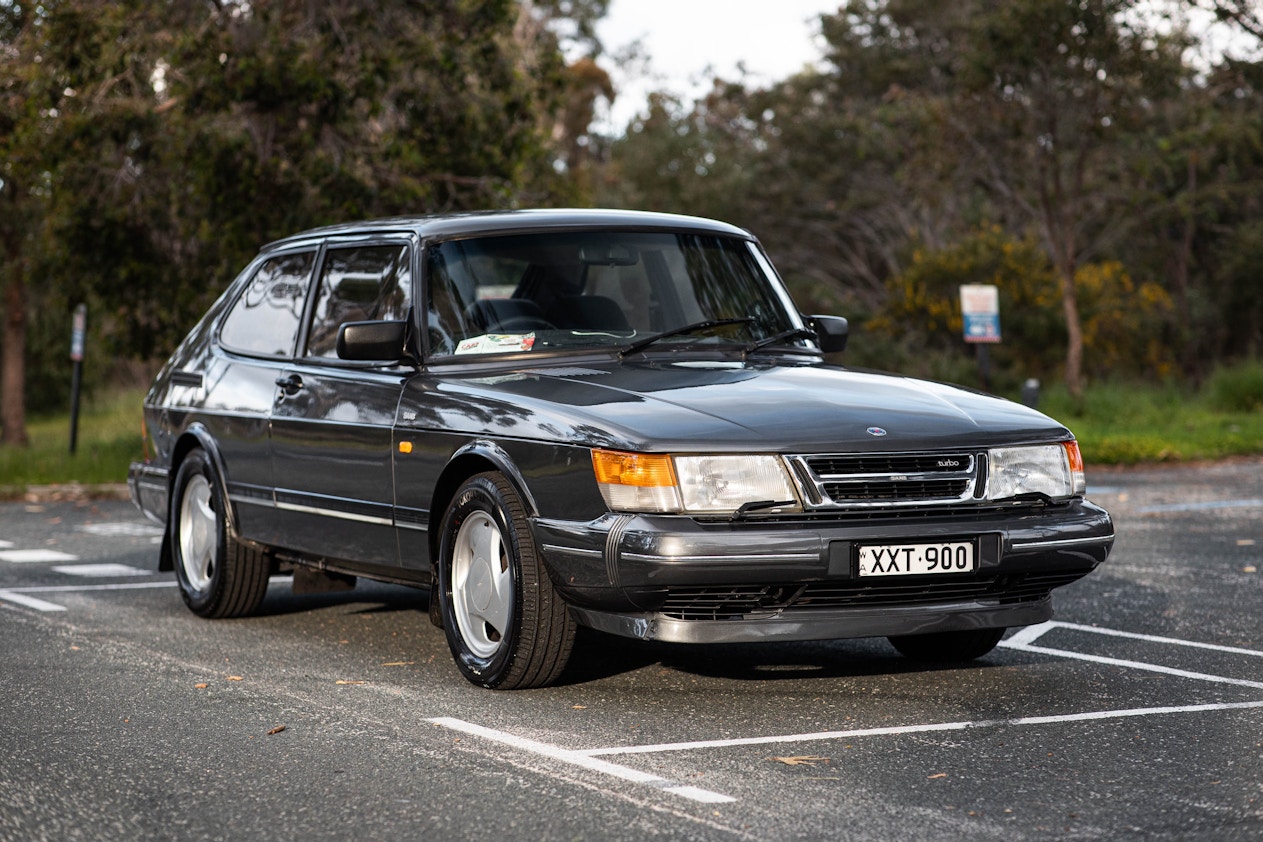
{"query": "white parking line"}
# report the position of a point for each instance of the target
(35, 556)
(121, 530)
(100, 570)
(30, 601)
(1023, 642)
(18, 595)
(583, 760)
(823, 736)
(1030, 634)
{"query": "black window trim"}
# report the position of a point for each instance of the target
(361, 239)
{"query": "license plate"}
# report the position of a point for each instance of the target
(917, 559)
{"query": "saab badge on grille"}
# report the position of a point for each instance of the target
(876, 431)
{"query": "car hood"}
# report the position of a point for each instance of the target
(714, 405)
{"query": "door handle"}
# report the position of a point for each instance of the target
(290, 383)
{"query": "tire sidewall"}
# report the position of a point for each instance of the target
(480, 494)
(197, 464)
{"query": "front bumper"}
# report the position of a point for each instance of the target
(678, 579)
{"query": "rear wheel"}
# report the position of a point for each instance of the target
(948, 647)
(506, 626)
(219, 576)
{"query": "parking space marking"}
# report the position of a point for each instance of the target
(29, 601)
(19, 595)
(1030, 634)
(824, 736)
(1023, 641)
(585, 761)
(4, 545)
(100, 570)
(35, 556)
(121, 530)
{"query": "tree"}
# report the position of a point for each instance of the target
(1051, 95)
(149, 149)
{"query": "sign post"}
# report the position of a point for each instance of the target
(78, 337)
(980, 307)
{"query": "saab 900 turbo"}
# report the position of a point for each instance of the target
(606, 419)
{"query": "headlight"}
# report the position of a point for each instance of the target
(1054, 470)
(653, 482)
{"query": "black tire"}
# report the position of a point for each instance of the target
(219, 576)
(506, 626)
(948, 647)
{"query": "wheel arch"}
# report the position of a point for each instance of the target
(195, 437)
(474, 458)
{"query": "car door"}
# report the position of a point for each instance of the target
(255, 342)
(333, 421)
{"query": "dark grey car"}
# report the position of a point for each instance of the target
(619, 420)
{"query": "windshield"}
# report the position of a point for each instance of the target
(602, 289)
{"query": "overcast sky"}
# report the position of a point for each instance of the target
(690, 41)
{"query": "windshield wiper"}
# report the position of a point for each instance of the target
(776, 338)
(696, 327)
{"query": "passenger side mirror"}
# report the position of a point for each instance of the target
(372, 341)
(832, 332)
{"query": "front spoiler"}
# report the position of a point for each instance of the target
(819, 625)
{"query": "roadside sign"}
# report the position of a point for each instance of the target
(980, 306)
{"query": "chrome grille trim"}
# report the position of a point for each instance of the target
(888, 480)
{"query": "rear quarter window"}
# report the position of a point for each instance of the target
(264, 320)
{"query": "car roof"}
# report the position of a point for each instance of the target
(481, 223)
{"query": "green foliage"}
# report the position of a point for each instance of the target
(1131, 421)
(148, 150)
(109, 439)
(1237, 388)
(1122, 319)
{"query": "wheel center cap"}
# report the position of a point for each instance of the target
(479, 585)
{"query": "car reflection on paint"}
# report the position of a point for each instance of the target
(612, 420)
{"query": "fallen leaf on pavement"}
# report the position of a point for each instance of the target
(348, 681)
(801, 760)
(278, 729)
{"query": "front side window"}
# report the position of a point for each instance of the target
(264, 320)
(525, 293)
(360, 284)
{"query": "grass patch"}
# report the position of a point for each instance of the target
(1129, 423)
(109, 439)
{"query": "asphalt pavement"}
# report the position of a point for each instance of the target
(1136, 714)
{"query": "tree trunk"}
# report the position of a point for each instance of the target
(1074, 328)
(13, 363)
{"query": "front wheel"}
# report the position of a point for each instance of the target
(219, 576)
(948, 647)
(506, 626)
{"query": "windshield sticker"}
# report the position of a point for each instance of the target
(497, 343)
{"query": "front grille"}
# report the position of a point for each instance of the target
(754, 602)
(865, 480)
(890, 463)
(923, 490)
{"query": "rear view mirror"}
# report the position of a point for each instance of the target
(608, 254)
(832, 331)
(372, 341)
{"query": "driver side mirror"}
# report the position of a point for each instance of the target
(372, 341)
(832, 332)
